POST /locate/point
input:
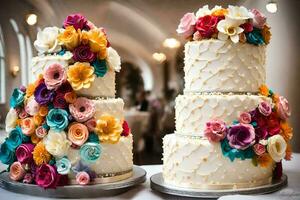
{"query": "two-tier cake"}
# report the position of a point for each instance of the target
(67, 127)
(231, 130)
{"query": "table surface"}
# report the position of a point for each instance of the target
(144, 192)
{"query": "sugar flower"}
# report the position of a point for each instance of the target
(229, 28)
(266, 34)
(22, 113)
(259, 149)
(245, 118)
(286, 131)
(276, 147)
(42, 95)
(233, 153)
(109, 129)
(82, 109)
(259, 19)
(283, 108)
(215, 130)
(241, 136)
(203, 11)
(43, 111)
(207, 26)
(78, 133)
(16, 171)
(91, 124)
(76, 20)
(126, 130)
(16, 98)
(46, 176)
(69, 38)
(63, 166)
(46, 41)
(97, 41)
(54, 76)
(24, 153)
(11, 120)
(41, 132)
(187, 25)
(264, 90)
(83, 53)
(60, 101)
(57, 143)
(81, 75)
(113, 59)
(70, 97)
(100, 67)
(32, 107)
(90, 152)
(265, 108)
(7, 156)
(82, 178)
(239, 13)
(28, 178)
(15, 138)
(40, 154)
(255, 37)
(264, 160)
(57, 119)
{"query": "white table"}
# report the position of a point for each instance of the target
(144, 192)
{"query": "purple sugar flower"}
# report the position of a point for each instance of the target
(76, 20)
(43, 95)
(241, 136)
(83, 54)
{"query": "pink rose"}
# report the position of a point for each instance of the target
(245, 118)
(83, 53)
(78, 133)
(60, 101)
(24, 153)
(187, 24)
(283, 108)
(259, 149)
(197, 36)
(46, 176)
(27, 126)
(91, 124)
(215, 130)
(259, 19)
(32, 107)
(265, 108)
(54, 75)
(82, 178)
(17, 171)
(23, 114)
(90, 25)
(41, 132)
(207, 26)
(82, 109)
(76, 20)
(241, 136)
(248, 27)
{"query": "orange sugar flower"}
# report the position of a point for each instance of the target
(264, 160)
(43, 111)
(81, 75)
(40, 154)
(264, 90)
(220, 12)
(70, 97)
(30, 90)
(288, 152)
(97, 41)
(69, 37)
(38, 120)
(109, 129)
(84, 37)
(266, 34)
(286, 130)
(35, 139)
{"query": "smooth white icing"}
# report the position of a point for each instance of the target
(192, 111)
(196, 163)
(222, 66)
(114, 107)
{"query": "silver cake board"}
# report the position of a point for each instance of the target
(75, 191)
(158, 184)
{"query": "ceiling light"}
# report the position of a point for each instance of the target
(171, 43)
(271, 7)
(159, 57)
(31, 19)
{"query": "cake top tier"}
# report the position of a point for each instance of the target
(235, 23)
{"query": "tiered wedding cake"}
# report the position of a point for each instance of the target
(231, 130)
(67, 127)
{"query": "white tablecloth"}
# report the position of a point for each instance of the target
(144, 192)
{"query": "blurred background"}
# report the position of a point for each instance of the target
(143, 32)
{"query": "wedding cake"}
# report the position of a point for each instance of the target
(67, 127)
(231, 130)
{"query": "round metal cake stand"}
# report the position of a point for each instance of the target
(158, 184)
(76, 191)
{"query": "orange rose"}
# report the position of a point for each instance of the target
(27, 126)
(264, 90)
(35, 139)
(84, 37)
(43, 111)
(38, 120)
(78, 133)
(97, 41)
(69, 38)
(264, 160)
(70, 97)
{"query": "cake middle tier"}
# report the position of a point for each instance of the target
(192, 111)
(222, 66)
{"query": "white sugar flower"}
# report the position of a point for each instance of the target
(276, 147)
(114, 59)
(216, 8)
(203, 11)
(57, 143)
(229, 28)
(46, 41)
(239, 13)
(11, 120)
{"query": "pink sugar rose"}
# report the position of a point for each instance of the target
(22, 113)
(32, 107)
(197, 36)
(82, 109)
(245, 118)
(187, 24)
(90, 25)
(82, 178)
(283, 108)
(54, 75)
(91, 124)
(76, 20)
(265, 108)
(17, 171)
(259, 149)
(248, 27)
(215, 130)
(259, 19)
(41, 132)
(207, 26)
(24, 153)
(241, 136)
(46, 176)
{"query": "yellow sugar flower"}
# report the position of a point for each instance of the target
(220, 12)
(69, 37)
(81, 75)
(97, 41)
(109, 129)
(84, 37)
(38, 120)
(40, 154)
(35, 139)
(30, 90)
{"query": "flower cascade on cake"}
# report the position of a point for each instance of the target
(262, 134)
(47, 119)
(234, 23)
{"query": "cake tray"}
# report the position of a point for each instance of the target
(158, 184)
(75, 191)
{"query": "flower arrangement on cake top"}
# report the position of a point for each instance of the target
(262, 134)
(47, 119)
(86, 47)
(235, 23)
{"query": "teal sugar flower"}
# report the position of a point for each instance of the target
(255, 37)
(232, 153)
(15, 138)
(57, 119)
(7, 156)
(90, 152)
(17, 98)
(93, 137)
(100, 67)
(63, 166)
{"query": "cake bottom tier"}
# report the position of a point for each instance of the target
(196, 163)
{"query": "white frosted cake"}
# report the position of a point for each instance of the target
(231, 130)
(67, 127)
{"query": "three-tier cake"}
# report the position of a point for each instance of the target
(67, 127)
(231, 130)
